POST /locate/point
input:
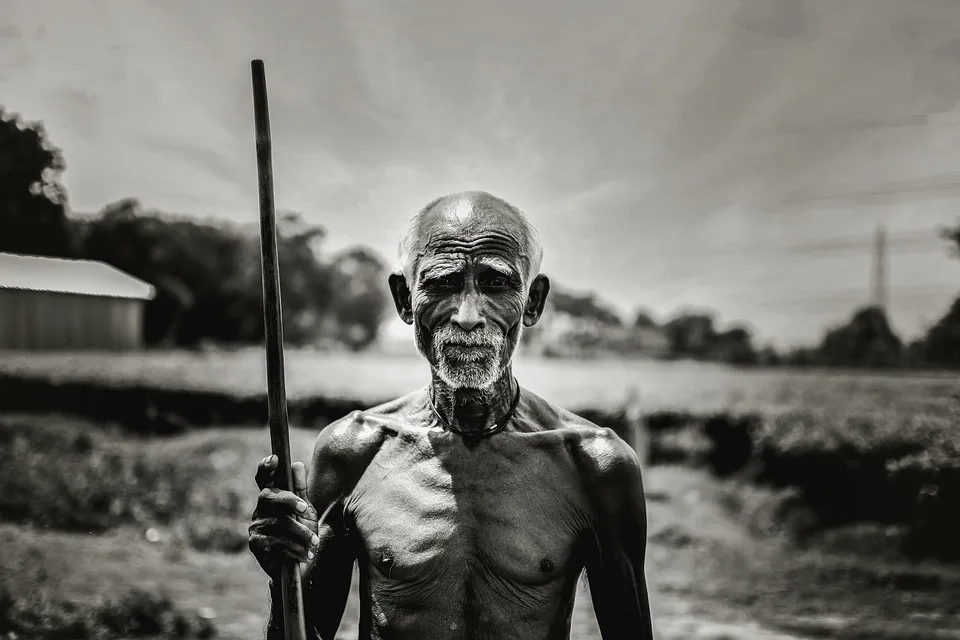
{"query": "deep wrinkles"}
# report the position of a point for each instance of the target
(494, 242)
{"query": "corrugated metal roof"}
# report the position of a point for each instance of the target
(81, 277)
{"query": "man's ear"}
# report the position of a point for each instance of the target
(536, 299)
(401, 297)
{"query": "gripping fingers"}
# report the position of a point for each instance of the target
(280, 549)
(275, 502)
(303, 533)
(286, 528)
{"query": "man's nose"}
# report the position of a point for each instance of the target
(468, 315)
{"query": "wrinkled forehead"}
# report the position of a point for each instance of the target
(462, 232)
(491, 248)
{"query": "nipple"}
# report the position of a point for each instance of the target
(386, 562)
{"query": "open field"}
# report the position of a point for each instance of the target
(680, 386)
(858, 464)
(875, 447)
(710, 576)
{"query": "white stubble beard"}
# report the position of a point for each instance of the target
(468, 371)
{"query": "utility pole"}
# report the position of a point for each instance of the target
(879, 284)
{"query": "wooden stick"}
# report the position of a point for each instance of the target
(290, 588)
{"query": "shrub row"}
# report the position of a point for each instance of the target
(853, 468)
(135, 614)
(67, 478)
(848, 463)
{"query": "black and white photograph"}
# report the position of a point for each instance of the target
(503, 320)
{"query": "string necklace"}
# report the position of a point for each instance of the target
(487, 431)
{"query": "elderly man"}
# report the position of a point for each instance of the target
(471, 506)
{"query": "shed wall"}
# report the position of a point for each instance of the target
(50, 321)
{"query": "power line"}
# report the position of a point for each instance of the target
(934, 186)
(850, 294)
(901, 242)
(859, 244)
(906, 239)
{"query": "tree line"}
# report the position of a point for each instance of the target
(207, 277)
(866, 340)
(206, 274)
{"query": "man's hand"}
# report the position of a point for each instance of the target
(284, 524)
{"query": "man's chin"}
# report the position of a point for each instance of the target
(467, 376)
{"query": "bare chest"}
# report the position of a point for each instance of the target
(457, 521)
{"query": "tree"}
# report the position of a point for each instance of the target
(952, 235)
(205, 282)
(867, 340)
(32, 199)
(362, 296)
(209, 283)
(643, 319)
(583, 306)
(691, 334)
(735, 346)
(307, 284)
(942, 343)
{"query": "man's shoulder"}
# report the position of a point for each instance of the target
(361, 432)
(599, 452)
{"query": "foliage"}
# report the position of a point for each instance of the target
(207, 277)
(32, 199)
(209, 285)
(66, 478)
(643, 319)
(867, 340)
(693, 334)
(133, 614)
(952, 235)
(362, 298)
(585, 305)
(582, 325)
(207, 274)
(942, 344)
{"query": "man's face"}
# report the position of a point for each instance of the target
(469, 296)
(468, 299)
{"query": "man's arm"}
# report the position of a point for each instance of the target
(615, 566)
(326, 583)
(342, 451)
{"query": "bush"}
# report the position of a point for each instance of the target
(70, 479)
(221, 534)
(877, 467)
(135, 614)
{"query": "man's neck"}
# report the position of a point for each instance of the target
(473, 411)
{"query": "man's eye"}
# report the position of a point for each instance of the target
(498, 282)
(444, 282)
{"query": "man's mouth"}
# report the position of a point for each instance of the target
(463, 345)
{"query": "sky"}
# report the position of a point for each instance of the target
(730, 154)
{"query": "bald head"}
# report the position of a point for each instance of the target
(468, 214)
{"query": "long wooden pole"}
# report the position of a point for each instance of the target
(290, 588)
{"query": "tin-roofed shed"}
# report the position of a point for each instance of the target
(54, 304)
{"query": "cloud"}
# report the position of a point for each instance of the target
(649, 142)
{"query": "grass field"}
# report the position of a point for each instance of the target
(684, 386)
(87, 513)
(710, 576)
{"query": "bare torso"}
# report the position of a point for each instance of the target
(467, 539)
